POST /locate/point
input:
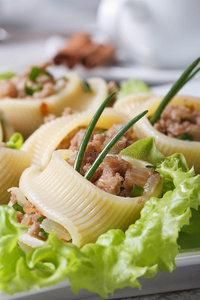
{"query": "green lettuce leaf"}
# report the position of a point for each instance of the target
(117, 259)
(132, 86)
(145, 150)
(6, 75)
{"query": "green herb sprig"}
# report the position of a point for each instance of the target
(29, 91)
(35, 72)
(18, 207)
(184, 78)
(86, 87)
(185, 136)
(137, 191)
(87, 135)
(112, 142)
(44, 233)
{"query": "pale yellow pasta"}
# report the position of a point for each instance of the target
(130, 103)
(1, 133)
(12, 164)
(27, 115)
(81, 209)
(47, 138)
(169, 145)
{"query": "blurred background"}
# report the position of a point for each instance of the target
(33, 31)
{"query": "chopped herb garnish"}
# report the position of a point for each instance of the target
(150, 167)
(101, 132)
(86, 87)
(40, 219)
(64, 78)
(137, 191)
(185, 136)
(15, 141)
(18, 207)
(44, 233)
(30, 91)
(35, 72)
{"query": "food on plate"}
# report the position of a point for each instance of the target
(27, 98)
(6, 128)
(177, 127)
(58, 133)
(80, 49)
(147, 246)
(81, 211)
(12, 163)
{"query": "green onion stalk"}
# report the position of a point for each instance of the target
(187, 75)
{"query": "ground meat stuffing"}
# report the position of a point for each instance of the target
(29, 217)
(22, 86)
(114, 175)
(97, 142)
(179, 119)
(66, 112)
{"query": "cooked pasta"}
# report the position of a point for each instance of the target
(168, 145)
(27, 114)
(76, 208)
(47, 138)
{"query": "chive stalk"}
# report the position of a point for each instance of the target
(183, 79)
(112, 142)
(87, 135)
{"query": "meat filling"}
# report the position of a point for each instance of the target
(114, 175)
(177, 120)
(31, 85)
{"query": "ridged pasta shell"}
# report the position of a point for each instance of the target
(1, 133)
(12, 164)
(45, 140)
(168, 145)
(67, 198)
(130, 103)
(26, 114)
(6, 128)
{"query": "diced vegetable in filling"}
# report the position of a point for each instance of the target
(180, 121)
(114, 175)
(35, 83)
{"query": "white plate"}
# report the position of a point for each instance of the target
(186, 276)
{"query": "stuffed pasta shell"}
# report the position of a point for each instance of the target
(177, 130)
(130, 103)
(12, 162)
(27, 98)
(59, 199)
(58, 133)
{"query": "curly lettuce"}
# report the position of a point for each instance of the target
(118, 258)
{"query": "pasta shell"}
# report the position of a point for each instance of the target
(1, 133)
(26, 115)
(12, 164)
(47, 138)
(130, 103)
(6, 127)
(168, 145)
(83, 210)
